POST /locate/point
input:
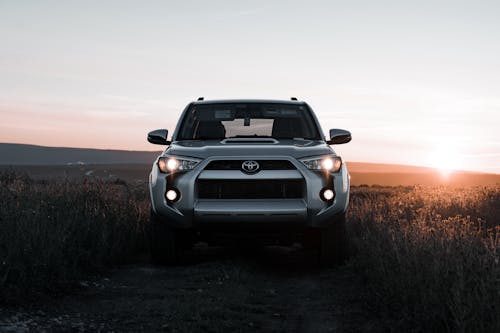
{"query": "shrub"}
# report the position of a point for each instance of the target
(52, 232)
(430, 256)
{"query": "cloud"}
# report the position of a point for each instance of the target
(120, 114)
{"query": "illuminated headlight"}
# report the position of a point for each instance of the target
(171, 164)
(324, 163)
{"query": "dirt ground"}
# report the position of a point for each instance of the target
(273, 289)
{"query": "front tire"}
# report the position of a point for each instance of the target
(167, 245)
(333, 243)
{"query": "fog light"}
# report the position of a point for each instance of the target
(327, 195)
(171, 195)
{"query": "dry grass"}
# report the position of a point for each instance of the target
(430, 256)
(52, 232)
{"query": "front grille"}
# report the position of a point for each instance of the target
(236, 165)
(254, 189)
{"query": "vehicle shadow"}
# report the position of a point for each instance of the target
(276, 260)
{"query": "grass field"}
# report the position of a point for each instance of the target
(429, 256)
(52, 232)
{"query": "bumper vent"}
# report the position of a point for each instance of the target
(255, 189)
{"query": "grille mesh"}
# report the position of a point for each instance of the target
(255, 189)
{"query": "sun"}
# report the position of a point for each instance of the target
(445, 158)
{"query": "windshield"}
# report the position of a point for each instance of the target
(248, 120)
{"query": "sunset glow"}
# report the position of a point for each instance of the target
(446, 159)
(398, 75)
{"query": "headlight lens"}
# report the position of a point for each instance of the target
(171, 164)
(323, 163)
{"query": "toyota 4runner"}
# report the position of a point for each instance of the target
(257, 169)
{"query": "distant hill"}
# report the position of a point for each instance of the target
(21, 154)
(387, 168)
(137, 164)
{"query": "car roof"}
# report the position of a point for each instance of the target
(236, 101)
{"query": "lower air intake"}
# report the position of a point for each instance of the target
(255, 189)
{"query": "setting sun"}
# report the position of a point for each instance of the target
(445, 158)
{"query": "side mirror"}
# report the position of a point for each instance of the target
(158, 137)
(339, 136)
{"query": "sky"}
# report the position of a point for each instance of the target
(416, 82)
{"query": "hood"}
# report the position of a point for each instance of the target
(207, 148)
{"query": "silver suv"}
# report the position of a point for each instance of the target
(254, 169)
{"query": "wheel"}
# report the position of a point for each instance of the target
(333, 243)
(166, 244)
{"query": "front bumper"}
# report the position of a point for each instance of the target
(192, 212)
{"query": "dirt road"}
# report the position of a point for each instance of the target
(220, 290)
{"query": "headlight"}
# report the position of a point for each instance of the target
(171, 164)
(323, 163)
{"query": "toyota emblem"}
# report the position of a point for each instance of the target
(250, 166)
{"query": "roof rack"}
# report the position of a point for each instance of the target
(293, 98)
(201, 98)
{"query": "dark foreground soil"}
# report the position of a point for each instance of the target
(272, 289)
